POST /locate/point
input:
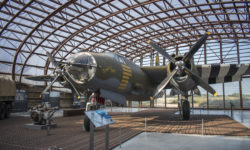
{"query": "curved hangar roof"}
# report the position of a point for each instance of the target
(29, 28)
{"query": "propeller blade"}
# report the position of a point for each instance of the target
(51, 59)
(72, 85)
(51, 83)
(196, 47)
(200, 82)
(163, 84)
(197, 91)
(161, 51)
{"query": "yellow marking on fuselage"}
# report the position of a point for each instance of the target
(104, 70)
(126, 66)
(124, 81)
(127, 74)
(125, 77)
(126, 70)
(123, 84)
(122, 87)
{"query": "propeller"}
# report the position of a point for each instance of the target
(196, 47)
(161, 51)
(59, 73)
(52, 59)
(51, 83)
(163, 84)
(180, 67)
(201, 82)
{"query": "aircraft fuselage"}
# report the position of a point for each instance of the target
(111, 72)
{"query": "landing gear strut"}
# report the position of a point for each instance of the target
(185, 109)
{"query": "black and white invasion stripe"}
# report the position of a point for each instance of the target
(218, 73)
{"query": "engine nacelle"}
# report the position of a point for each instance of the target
(183, 80)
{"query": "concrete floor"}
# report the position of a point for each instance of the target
(166, 141)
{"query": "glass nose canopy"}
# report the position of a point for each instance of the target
(81, 67)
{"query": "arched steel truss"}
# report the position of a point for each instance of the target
(63, 27)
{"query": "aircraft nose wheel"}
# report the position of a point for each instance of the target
(185, 110)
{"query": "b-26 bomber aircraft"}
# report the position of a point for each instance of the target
(118, 79)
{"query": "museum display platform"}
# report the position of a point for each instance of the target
(69, 133)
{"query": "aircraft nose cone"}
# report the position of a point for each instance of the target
(81, 67)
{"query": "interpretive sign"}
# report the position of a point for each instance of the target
(99, 118)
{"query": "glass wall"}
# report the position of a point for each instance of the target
(232, 95)
(246, 92)
(146, 103)
(216, 101)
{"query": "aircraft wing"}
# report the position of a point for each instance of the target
(218, 73)
(156, 73)
(40, 78)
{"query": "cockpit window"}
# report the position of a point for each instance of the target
(117, 57)
(82, 59)
(121, 60)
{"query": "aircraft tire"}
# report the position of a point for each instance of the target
(2, 110)
(86, 123)
(7, 114)
(185, 110)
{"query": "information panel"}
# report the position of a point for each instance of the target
(99, 118)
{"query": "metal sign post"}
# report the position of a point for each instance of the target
(91, 137)
(107, 138)
(99, 118)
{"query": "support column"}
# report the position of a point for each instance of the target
(223, 90)
(140, 104)
(151, 64)
(141, 64)
(223, 84)
(192, 94)
(240, 86)
(165, 94)
(207, 101)
(165, 98)
(241, 99)
(205, 62)
(130, 104)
